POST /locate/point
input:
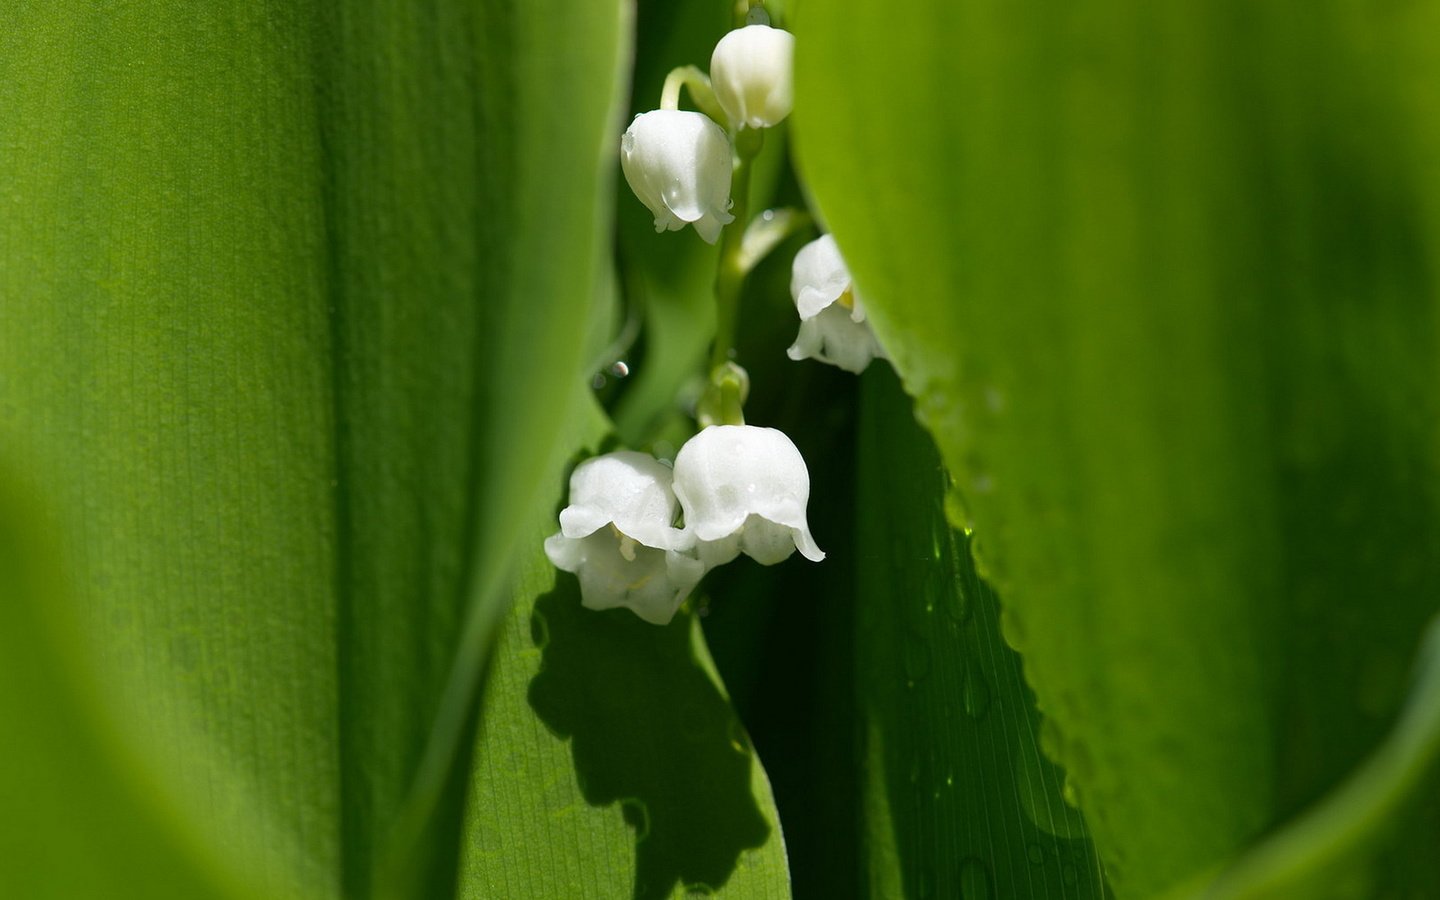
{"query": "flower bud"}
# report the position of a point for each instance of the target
(679, 164)
(832, 318)
(744, 490)
(750, 72)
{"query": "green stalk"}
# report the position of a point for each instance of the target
(730, 276)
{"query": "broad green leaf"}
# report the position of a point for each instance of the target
(1317, 854)
(165, 344)
(288, 298)
(1159, 278)
(78, 821)
(960, 800)
(610, 763)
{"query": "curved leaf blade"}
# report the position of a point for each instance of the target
(1173, 323)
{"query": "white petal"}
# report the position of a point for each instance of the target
(630, 490)
(750, 71)
(818, 277)
(728, 473)
(678, 163)
(650, 582)
(835, 337)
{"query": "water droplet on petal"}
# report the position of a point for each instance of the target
(620, 368)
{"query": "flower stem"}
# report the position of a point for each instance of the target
(701, 93)
(730, 276)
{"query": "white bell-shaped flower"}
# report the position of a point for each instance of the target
(751, 74)
(618, 536)
(744, 490)
(679, 164)
(833, 328)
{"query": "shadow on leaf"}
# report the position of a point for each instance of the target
(649, 729)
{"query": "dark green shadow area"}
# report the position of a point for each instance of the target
(649, 728)
(951, 737)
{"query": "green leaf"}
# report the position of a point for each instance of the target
(78, 819)
(1318, 854)
(288, 299)
(960, 801)
(1159, 280)
(610, 762)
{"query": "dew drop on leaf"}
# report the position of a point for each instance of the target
(974, 880)
(976, 695)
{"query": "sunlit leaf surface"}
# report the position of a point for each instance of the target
(1161, 280)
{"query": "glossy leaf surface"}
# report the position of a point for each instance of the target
(1161, 281)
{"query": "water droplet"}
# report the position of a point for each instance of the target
(956, 592)
(1012, 629)
(1035, 854)
(976, 695)
(637, 816)
(956, 512)
(739, 740)
(915, 655)
(974, 880)
(981, 561)
(768, 215)
(620, 368)
(949, 779)
(1070, 794)
(598, 381)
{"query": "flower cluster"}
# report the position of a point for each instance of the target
(678, 163)
(636, 532)
(641, 535)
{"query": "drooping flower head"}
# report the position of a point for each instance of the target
(744, 490)
(751, 73)
(678, 164)
(832, 318)
(618, 536)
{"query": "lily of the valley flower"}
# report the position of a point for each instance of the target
(832, 319)
(750, 72)
(679, 164)
(744, 490)
(618, 536)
